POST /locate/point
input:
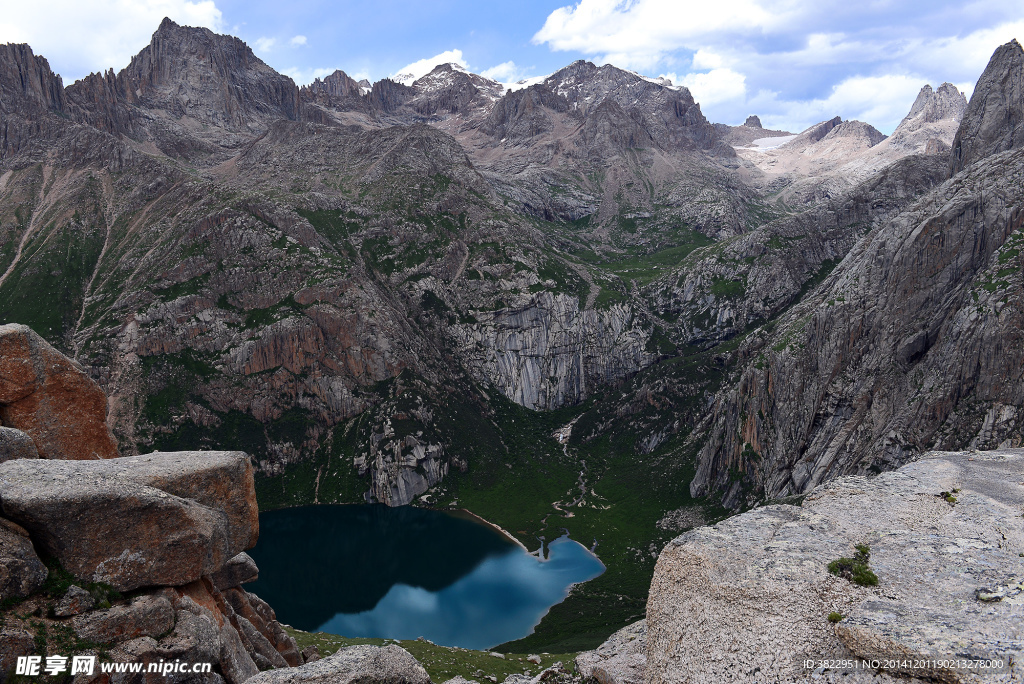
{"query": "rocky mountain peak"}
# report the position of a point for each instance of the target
(166, 25)
(387, 95)
(26, 81)
(994, 119)
(28, 90)
(935, 105)
(338, 84)
(189, 72)
(753, 121)
(820, 130)
(870, 135)
(668, 113)
(451, 76)
(211, 77)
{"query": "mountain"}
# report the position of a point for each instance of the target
(402, 292)
(833, 156)
(994, 121)
(338, 236)
(910, 343)
(212, 81)
(30, 95)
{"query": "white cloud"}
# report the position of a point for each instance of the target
(713, 87)
(705, 59)
(881, 101)
(297, 40)
(639, 33)
(82, 37)
(264, 44)
(506, 71)
(422, 67)
(790, 61)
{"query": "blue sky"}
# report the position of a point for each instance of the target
(792, 62)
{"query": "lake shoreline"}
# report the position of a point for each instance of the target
(500, 529)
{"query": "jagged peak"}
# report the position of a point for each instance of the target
(166, 25)
(992, 121)
(26, 80)
(819, 130)
(336, 84)
(856, 129)
(946, 102)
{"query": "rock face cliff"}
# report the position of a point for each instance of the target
(29, 93)
(750, 598)
(908, 344)
(549, 353)
(993, 120)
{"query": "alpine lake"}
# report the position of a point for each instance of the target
(403, 573)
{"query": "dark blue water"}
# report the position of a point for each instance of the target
(403, 573)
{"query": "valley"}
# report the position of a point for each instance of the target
(400, 293)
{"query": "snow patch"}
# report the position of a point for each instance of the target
(765, 144)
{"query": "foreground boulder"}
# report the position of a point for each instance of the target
(49, 397)
(353, 665)
(16, 444)
(145, 616)
(238, 570)
(157, 519)
(21, 571)
(622, 659)
(174, 525)
(750, 598)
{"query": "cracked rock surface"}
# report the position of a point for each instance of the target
(749, 599)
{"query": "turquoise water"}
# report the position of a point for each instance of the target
(403, 573)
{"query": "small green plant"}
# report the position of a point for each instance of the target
(948, 496)
(835, 617)
(103, 594)
(58, 580)
(40, 636)
(855, 569)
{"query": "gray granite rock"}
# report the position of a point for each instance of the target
(164, 518)
(15, 444)
(74, 602)
(997, 102)
(21, 571)
(13, 644)
(749, 598)
(237, 571)
(621, 659)
(353, 665)
(235, 663)
(258, 645)
(196, 638)
(144, 616)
